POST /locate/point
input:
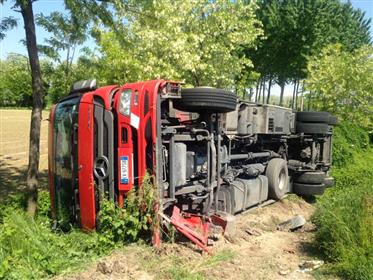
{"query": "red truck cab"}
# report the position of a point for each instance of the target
(101, 141)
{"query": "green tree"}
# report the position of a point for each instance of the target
(67, 32)
(6, 24)
(342, 83)
(15, 81)
(84, 68)
(200, 43)
(297, 29)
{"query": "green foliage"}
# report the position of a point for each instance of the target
(135, 219)
(294, 30)
(68, 31)
(14, 202)
(30, 250)
(15, 81)
(200, 43)
(6, 24)
(348, 139)
(44, 213)
(344, 215)
(59, 83)
(342, 83)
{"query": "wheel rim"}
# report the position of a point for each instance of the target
(282, 180)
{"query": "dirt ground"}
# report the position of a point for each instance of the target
(257, 250)
(14, 141)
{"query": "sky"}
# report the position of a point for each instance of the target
(12, 44)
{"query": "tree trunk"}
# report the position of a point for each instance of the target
(302, 98)
(67, 71)
(256, 91)
(37, 107)
(296, 96)
(282, 93)
(293, 106)
(264, 91)
(257, 99)
(251, 93)
(309, 101)
(269, 89)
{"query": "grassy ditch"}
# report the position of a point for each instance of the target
(344, 214)
(29, 249)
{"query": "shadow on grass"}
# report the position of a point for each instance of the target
(13, 179)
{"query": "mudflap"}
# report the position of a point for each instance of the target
(193, 227)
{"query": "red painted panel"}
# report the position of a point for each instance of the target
(85, 163)
(104, 93)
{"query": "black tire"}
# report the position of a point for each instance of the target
(313, 117)
(278, 178)
(308, 189)
(333, 120)
(201, 99)
(329, 182)
(313, 177)
(312, 128)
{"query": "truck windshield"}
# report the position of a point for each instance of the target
(65, 125)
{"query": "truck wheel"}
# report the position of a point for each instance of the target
(308, 189)
(315, 177)
(312, 128)
(313, 117)
(278, 178)
(333, 120)
(203, 99)
(329, 182)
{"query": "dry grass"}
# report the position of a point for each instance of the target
(14, 138)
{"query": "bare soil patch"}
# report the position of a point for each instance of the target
(257, 251)
(14, 141)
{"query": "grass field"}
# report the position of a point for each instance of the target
(14, 141)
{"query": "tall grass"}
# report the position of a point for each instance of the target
(29, 249)
(344, 214)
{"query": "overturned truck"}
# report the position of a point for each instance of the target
(211, 155)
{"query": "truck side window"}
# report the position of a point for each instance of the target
(124, 135)
(136, 98)
(146, 103)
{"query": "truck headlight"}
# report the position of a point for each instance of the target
(125, 102)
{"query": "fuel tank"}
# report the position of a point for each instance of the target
(249, 192)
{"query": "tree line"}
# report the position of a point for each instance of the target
(245, 46)
(316, 46)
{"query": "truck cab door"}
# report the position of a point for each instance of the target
(126, 134)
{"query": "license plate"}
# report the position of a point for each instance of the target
(124, 170)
